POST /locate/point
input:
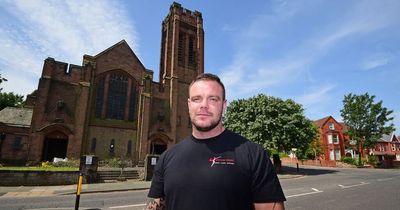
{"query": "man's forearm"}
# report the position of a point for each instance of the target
(269, 206)
(156, 204)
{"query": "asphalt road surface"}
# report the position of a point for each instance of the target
(321, 188)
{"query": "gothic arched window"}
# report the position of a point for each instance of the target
(115, 97)
(117, 94)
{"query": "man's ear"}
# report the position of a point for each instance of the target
(224, 106)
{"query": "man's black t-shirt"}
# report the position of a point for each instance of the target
(225, 172)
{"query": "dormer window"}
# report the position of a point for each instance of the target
(331, 126)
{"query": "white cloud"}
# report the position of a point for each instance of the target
(365, 17)
(319, 102)
(251, 72)
(316, 96)
(65, 30)
(396, 121)
(228, 28)
(377, 60)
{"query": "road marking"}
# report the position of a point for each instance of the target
(381, 180)
(121, 207)
(59, 208)
(355, 185)
(302, 194)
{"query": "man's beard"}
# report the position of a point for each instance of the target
(207, 128)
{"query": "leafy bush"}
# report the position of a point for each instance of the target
(373, 160)
(283, 155)
(349, 160)
(112, 162)
(45, 164)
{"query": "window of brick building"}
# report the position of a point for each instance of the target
(192, 53)
(331, 154)
(330, 139)
(335, 139)
(337, 154)
(17, 143)
(181, 49)
(331, 126)
(112, 97)
(116, 99)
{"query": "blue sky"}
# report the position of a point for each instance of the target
(313, 52)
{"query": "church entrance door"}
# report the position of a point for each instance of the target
(157, 148)
(54, 148)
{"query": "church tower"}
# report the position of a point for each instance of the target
(182, 59)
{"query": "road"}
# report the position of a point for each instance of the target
(321, 188)
(343, 189)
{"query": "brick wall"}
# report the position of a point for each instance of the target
(324, 163)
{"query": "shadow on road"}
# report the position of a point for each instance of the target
(306, 171)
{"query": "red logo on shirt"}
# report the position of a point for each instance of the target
(221, 161)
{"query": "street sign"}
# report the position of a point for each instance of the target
(89, 160)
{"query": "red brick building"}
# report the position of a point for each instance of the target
(331, 138)
(387, 148)
(110, 106)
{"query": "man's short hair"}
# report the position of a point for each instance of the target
(209, 77)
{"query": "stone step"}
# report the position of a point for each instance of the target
(114, 174)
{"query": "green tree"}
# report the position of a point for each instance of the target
(366, 120)
(272, 122)
(2, 79)
(312, 152)
(11, 99)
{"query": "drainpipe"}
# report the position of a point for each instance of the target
(2, 138)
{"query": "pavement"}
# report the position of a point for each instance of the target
(130, 184)
(35, 191)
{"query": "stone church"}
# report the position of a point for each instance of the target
(110, 106)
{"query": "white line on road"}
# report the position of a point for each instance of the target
(381, 180)
(301, 194)
(355, 185)
(121, 207)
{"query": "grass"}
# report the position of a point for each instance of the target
(38, 168)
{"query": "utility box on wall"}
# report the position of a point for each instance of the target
(150, 163)
(88, 167)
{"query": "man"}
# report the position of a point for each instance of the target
(214, 168)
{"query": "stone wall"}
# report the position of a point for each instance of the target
(37, 178)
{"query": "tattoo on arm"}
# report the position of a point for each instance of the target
(156, 204)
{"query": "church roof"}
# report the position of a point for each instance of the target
(14, 116)
(122, 42)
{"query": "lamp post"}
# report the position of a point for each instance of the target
(294, 150)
